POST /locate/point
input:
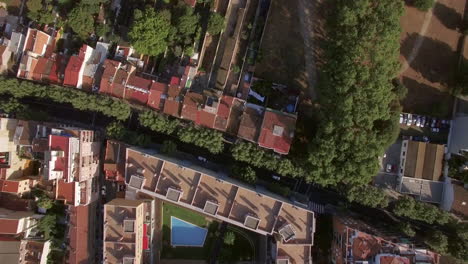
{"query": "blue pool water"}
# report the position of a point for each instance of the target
(186, 234)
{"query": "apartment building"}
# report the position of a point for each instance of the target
(127, 232)
(356, 243)
(224, 199)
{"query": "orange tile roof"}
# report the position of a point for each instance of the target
(9, 186)
(66, 191)
(9, 226)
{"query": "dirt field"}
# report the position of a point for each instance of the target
(430, 66)
(282, 48)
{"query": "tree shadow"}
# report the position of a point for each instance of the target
(448, 16)
(435, 60)
(426, 100)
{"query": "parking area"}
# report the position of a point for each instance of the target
(424, 128)
(389, 164)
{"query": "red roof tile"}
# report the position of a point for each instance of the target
(175, 80)
(66, 192)
(9, 186)
(250, 124)
(136, 96)
(192, 102)
(172, 107)
(72, 71)
(139, 82)
(157, 93)
(9, 226)
(206, 119)
(79, 235)
(225, 106)
(277, 131)
(57, 69)
(60, 143)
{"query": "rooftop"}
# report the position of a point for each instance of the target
(277, 131)
(251, 121)
(423, 160)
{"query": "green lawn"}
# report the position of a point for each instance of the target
(243, 248)
(168, 252)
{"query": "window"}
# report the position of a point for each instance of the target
(404, 153)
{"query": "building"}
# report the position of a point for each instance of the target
(193, 102)
(420, 170)
(173, 102)
(38, 51)
(16, 222)
(9, 251)
(351, 245)
(127, 231)
(33, 252)
(81, 234)
(73, 162)
(18, 186)
(251, 122)
(224, 199)
(114, 161)
(277, 131)
(157, 95)
(137, 89)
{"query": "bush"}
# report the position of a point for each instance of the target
(424, 5)
(168, 147)
(407, 229)
(244, 173)
(437, 241)
(415, 210)
(367, 195)
(229, 238)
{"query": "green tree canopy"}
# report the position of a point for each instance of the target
(82, 17)
(424, 5)
(229, 238)
(367, 195)
(244, 172)
(168, 147)
(358, 107)
(412, 209)
(150, 30)
(438, 241)
(216, 24)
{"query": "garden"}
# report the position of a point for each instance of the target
(169, 252)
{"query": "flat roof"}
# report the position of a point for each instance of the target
(149, 167)
(295, 253)
(251, 203)
(178, 177)
(301, 221)
(424, 160)
(425, 190)
(215, 190)
(114, 224)
(115, 252)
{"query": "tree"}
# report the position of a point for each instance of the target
(150, 30)
(358, 115)
(45, 202)
(207, 138)
(185, 25)
(277, 188)
(39, 11)
(407, 229)
(437, 241)
(367, 195)
(424, 5)
(244, 173)
(168, 147)
(81, 19)
(115, 130)
(158, 123)
(415, 210)
(229, 238)
(216, 23)
(47, 225)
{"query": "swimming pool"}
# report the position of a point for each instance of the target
(186, 234)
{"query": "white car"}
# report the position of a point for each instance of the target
(401, 119)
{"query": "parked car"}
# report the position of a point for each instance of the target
(390, 168)
(401, 118)
(410, 120)
(275, 177)
(435, 130)
(423, 121)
